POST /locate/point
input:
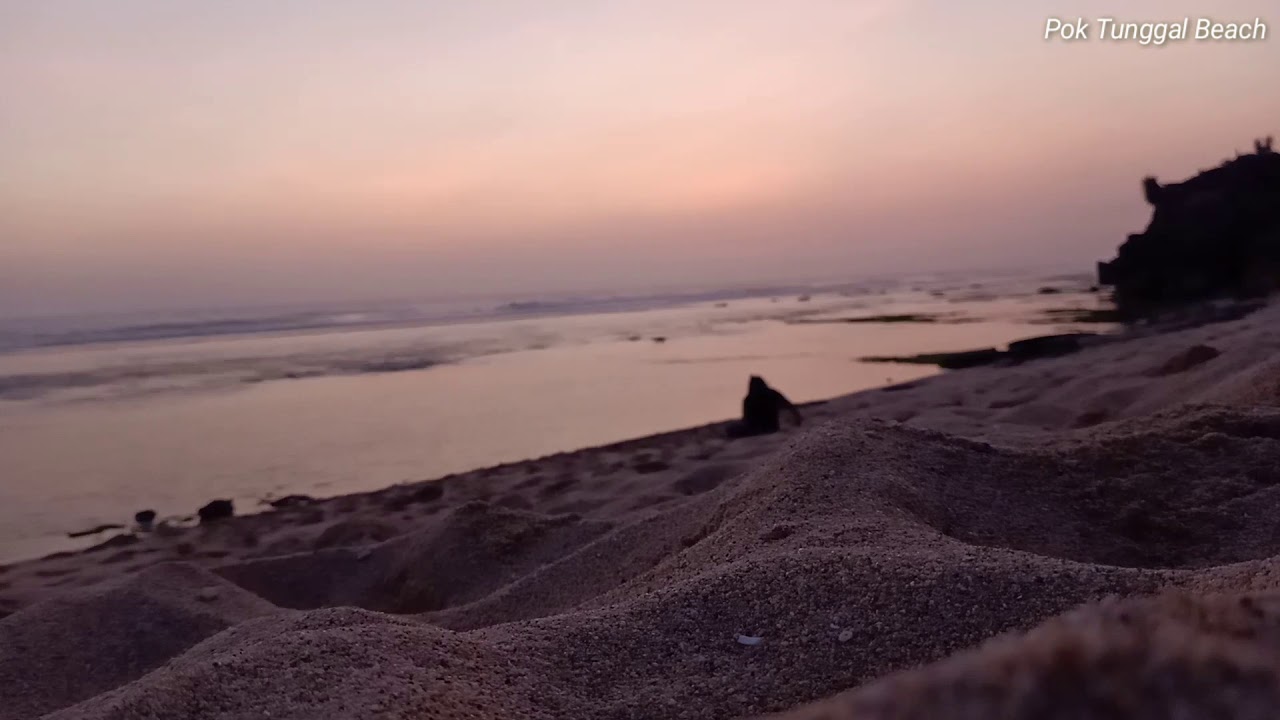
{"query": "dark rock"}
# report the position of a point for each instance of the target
(1187, 359)
(145, 519)
(1214, 235)
(1048, 291)
(1046, 346)
(292, 501)
(1019, 351)
(429, 492)
(946, 361)
(968, 358)
(1084, 315)
(659, 339)
(216, 510)
(905, 318)
(95, 530)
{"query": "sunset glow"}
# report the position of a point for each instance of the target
(160, 152)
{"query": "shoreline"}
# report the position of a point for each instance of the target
(252, 504)
(686, 574)
(177, 538)
(170, 534)
(329, 435)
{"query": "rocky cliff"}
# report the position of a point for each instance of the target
(1214, 235)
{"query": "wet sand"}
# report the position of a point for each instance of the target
(909, 552)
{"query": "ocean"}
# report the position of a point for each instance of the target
(103, 416)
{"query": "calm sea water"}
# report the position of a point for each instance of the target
(101, 417)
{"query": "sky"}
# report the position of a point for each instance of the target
(186, 154)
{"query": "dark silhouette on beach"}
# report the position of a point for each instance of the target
(216, 510)
(760, 409)
(1214, 235)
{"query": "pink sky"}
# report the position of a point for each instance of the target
(182, 153)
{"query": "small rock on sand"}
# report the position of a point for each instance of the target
(216, 510)
(291, 501)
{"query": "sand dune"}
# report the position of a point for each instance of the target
(79, 645)
(1132, 486)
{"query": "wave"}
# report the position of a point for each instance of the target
(32, 335)
(206, 374)
(27, 334)
(592, 304)
(49, 332)
(411, 337)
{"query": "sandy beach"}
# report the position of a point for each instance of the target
(906, 551)
(718, 360)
